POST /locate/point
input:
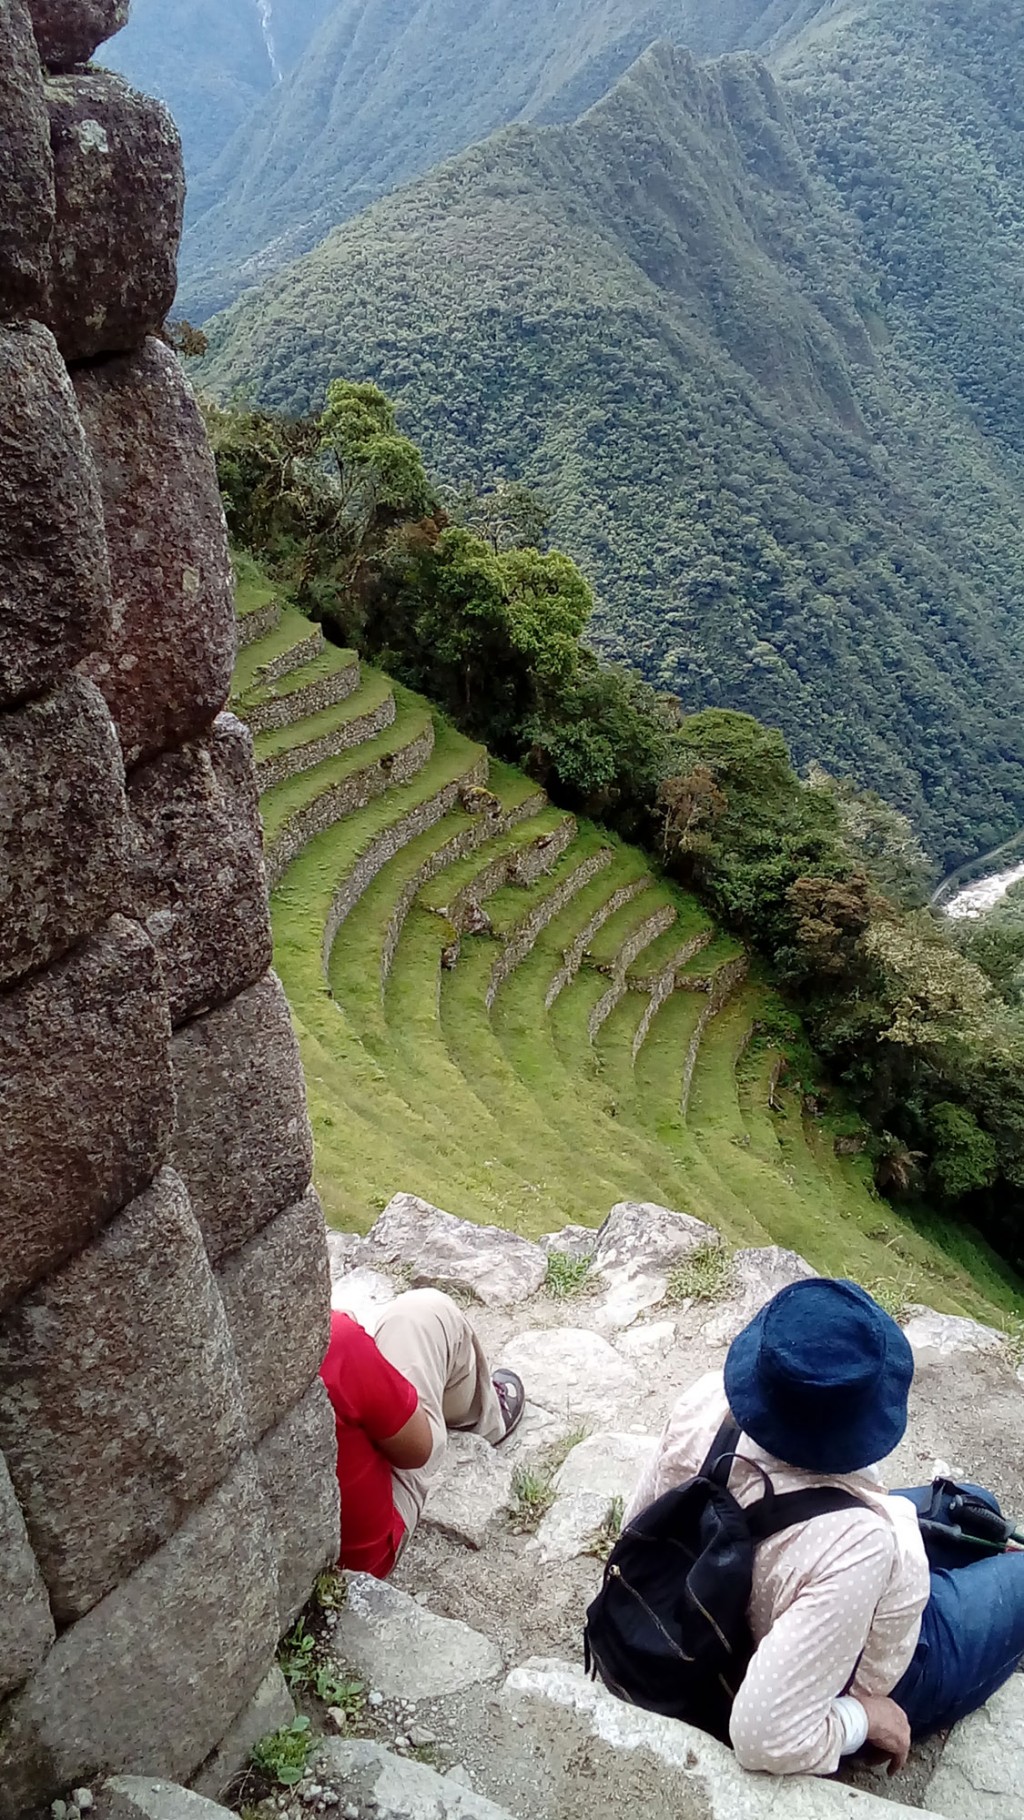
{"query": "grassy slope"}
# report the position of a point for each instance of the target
(513, 1115)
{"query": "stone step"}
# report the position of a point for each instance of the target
(378, 1782)
(401, 1649)
(282, 708)
(354, 719)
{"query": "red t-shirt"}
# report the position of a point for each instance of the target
(371, 1402)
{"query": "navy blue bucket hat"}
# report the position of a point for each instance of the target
(820, 1377)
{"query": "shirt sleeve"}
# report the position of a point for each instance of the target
(376, 1396)
(788, 1718)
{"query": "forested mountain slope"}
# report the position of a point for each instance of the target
(661, 318)
(391, 87)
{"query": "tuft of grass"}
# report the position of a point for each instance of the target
(532, 1497)
(282, 1756)
(566, 1276)
(705, 1276)
(608, 1531)
(305, 1671)
(1014, 1331)
(331, 1590)
(559, 1451)
(895, 1297)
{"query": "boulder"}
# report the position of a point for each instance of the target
(756, 1276)
(643, 1345)
(276, 1295)
(642, 1233)
(639, 1763)
(120, 193)
(298, 1463)
(404, 1650)
(572, 1372)
(934, 1337)
(120, 1405)
(471, 1492)
(68, 31)
(26, 170)
(981, 1770)
(26, 1625)
(166, 668)
(599, 1471)
(147, 1798)
(54, 579)
(156, 1672)
(195, 868)
(494, 1266)
(630, 1291)
(362, 1293)
(572, 1241)
(270, 1708)
(86, 1100)
(63, 825)
(393, 1788)
(242, 1140)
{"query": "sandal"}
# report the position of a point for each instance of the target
(511, 1394)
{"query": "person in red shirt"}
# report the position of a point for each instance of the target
(395, 1395)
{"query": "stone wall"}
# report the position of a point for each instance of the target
(167, 1493)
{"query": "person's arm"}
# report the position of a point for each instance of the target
(412, 1446)
(791, 1716)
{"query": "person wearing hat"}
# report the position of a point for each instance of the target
(860, 1643)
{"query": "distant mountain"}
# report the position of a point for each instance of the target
(773, 396)
(212, 61)
(391, 87)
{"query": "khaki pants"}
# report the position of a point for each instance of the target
(429, 1339)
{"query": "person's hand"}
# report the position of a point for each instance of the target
(888, 1730)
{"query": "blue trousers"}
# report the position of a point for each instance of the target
(972, 1633)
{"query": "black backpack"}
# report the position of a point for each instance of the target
(669, 1630)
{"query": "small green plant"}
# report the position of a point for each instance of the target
(608, 1531)
(297, 1656)
(565, 1275)
(559, 1451)
(896, 1298)
(331, 1590)
(342, 1692)
(1014, 1331)
(532, 1497)
(705, 1276)
(282, 1756)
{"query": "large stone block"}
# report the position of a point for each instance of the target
(68, 31)
(26, 1626)
(86, 1100)
(277, 1296)
(148, 1798)
(298, 1471)
(270, 1708)
(405, 1650)
(120, 1404)
(166, 670)
(120, 190)
(195, 875)
(54, 581)
(242, 1142)
(152, 1677)
(26, 170)
(63, 825)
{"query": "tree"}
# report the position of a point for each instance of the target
(964, 1157)
(690, 805)
(509, 517)
(381, 477)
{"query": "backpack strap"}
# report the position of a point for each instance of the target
(785, 1509)
(722, 1453)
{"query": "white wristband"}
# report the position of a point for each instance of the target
(854, 1722)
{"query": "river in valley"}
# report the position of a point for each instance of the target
(975, 899)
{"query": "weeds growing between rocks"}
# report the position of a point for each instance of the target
(707, 1275)
(282, 1756)
(566, 1276)
(608, 1532)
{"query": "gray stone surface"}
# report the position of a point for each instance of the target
(26, 1626)
(757, 1275)
(472, 1491)
(572, 1241)
(276, 1292)
(603, 1468)
(26, 170)
(86, 1101)
(572, 1372)
(404, 1650)
(166, 670)
(641, 1232)
(640, 1763)
(981, 1770)
(120, 1405)
(158, 1670)
(120, 189)
(644, 1344)
(242, 1142)
(362, 1293)
(934, 1337)
(148, 1798)
(270, 1708)
(68, 31)
(63, 825)
(442, 1252)
(394, 1788)
(54, 579)
(195, 869)
(298, 1471)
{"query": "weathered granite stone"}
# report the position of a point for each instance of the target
(645, 1344)
(148, 1798)
(26, 1626)
(26, 170)
(443, 1252)
(393, 1788)
(362, 1293)
(86, 1101)
(156, 1672)
(120, 189)
(63, 825)
(166, 670)
(404, 1650)
(934, 1337)
(572, 1372)
(980, 1769)
(572, 1241)
(68, 31)
(195, 869)
(756, 1275)
(54, 580)
(600, 1470)
(242, 1141)
(106, 1463)
(298, 1463)
(270, 1707)
(472, 1491)
(276, 1291)
(640, 1232)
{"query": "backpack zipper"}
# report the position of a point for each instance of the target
(616, 1574)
